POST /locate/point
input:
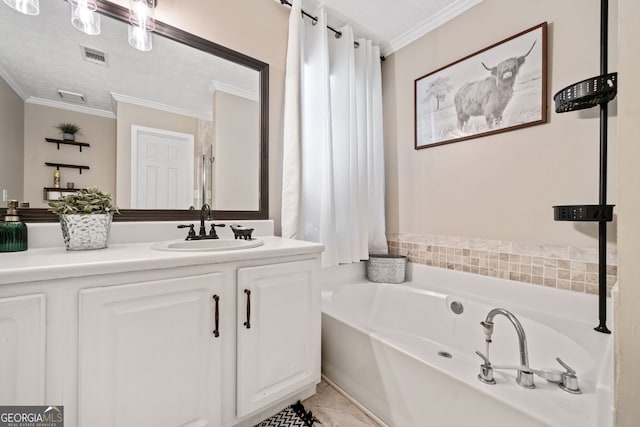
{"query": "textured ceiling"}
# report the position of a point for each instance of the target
(392, 24)
(40, 54)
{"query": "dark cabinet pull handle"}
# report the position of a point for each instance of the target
(248, 322)
(216, 331)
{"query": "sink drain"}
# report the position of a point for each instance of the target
(445, 354)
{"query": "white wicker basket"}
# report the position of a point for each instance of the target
(386, 268)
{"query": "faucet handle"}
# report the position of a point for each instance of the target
(485, 358)
(569, 369)
(192, 232)
(212, 232)
(486, 370)
(569, 382)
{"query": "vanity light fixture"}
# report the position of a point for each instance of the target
(142, 19)
(84, 16)
(28, 7)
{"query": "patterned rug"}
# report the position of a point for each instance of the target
(293, 416)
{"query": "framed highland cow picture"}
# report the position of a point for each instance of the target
(497, 89)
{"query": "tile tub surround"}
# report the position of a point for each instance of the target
(564, 267)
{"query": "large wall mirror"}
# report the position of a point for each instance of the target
(168, 130)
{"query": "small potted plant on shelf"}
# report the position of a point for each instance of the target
(85, 218)
(68, 130)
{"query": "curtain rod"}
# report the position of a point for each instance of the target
(337, 33)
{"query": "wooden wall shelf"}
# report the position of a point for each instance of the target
(52, 193)
(62, 141)
(63, 165)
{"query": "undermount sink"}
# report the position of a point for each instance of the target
(207, 245)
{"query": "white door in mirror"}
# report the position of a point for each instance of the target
(206, 245)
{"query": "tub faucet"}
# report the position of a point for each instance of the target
(525, 376)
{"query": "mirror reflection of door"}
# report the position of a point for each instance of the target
(161, 169)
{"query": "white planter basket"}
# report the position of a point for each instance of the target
(82, 232)
(386, 268)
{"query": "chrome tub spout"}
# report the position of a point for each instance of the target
(524, 377)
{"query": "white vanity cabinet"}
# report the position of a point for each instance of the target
(148, 354)
(127, 336)
(22, 350)
(278, 332)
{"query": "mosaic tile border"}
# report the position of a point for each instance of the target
(563, 267)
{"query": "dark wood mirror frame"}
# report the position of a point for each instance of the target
(121, 13)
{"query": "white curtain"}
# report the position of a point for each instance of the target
(333, 156)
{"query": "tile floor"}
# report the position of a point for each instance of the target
(335, 410)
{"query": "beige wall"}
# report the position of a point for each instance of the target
(11, 138)
(501, 186)
(40, 123)
(237, 164)
(257, 28)
(627, 332)
(128, 115)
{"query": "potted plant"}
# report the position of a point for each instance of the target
(68, 130)
(85, 218)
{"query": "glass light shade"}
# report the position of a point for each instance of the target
(28, 7)
(85, 19)
(140, 39)
(142, 14)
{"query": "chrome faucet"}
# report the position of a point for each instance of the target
(567, 380)
(525, 376)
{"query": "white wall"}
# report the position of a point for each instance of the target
(237, 156)
(502, 186)
(11, 138)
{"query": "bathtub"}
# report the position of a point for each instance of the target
(401, 352)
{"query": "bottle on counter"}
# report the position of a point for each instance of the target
(13, 232)
(56, 178)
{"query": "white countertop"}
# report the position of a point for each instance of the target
(58, 263)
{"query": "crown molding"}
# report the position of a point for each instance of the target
(201, 115)
(428, 25)
(233, 90)
(13, 84)
(70, 107)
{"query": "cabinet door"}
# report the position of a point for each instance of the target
(148, 355)
(278, 350)
(22, 350)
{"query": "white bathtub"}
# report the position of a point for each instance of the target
(380, 343)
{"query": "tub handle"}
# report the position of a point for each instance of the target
(486, 370)
(248, 322)
(483, 357)
(216, 316)
(569, 381)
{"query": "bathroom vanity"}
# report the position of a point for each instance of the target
(132, 336)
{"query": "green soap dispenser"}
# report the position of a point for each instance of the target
(13, 232)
